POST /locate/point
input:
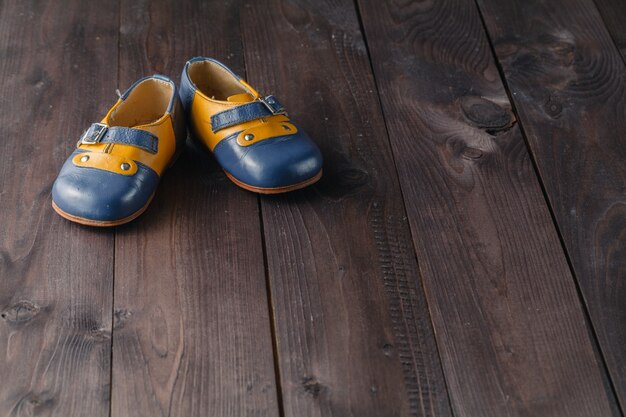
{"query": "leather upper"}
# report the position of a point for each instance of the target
(116, 167)
(102, 195)
(272, 163)
(250, 135)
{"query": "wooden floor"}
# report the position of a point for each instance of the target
(463, 255)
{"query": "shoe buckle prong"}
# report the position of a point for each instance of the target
(94, 134)
(273, 105)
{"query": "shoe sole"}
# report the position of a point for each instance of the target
(277, 190)
(101, 223)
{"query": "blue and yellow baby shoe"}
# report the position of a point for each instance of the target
(112, 175)
(257, 145)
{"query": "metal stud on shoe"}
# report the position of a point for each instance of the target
(125, 166)
(248, 136)
(84, 158)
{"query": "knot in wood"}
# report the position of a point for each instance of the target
(354, 176)
(36, 404)
(120, 316)
(312, 386)
(553, 107)
(99, 335)
(20, 312)
(484, 113)
(472, 153)
(388, 350)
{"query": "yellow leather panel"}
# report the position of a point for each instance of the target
(95, 147)
(162, 129)
(105, 161)
(266, 130)
(110, 112)
(211, 97)
(203, 108)
(145, 108)
(240, 98)
(249, 87)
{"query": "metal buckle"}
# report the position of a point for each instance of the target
(94, 134)
(273, 105)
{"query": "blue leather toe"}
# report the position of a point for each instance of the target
(271, 163)
(100, 195)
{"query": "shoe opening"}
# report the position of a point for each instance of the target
(146, 103)
(215, 81)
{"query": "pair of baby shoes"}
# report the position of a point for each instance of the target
(113, 174)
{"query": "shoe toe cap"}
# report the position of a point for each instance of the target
(99, 195)
(276, 162)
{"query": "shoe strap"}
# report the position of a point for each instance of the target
(101, 133)
(258, 109)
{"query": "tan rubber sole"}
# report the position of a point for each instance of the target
(277, 190)
(101, 223)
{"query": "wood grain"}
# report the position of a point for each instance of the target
(192, 334)
(509, 324)
(569, 84)
(55, 277)
(613, 14)
(352, 326)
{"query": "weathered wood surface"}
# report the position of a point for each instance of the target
(55, 277)
(352, 326)
(568, 83)
(192, 334)
(510, 326)
(613, 14)
(440, 170)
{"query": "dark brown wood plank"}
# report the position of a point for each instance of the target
(509, 323)
(569, 83)
(58, 65)
(613, 13)
(353, 329)
(193, 330)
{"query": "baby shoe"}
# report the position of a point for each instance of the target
(257, 145)
(112, 175)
